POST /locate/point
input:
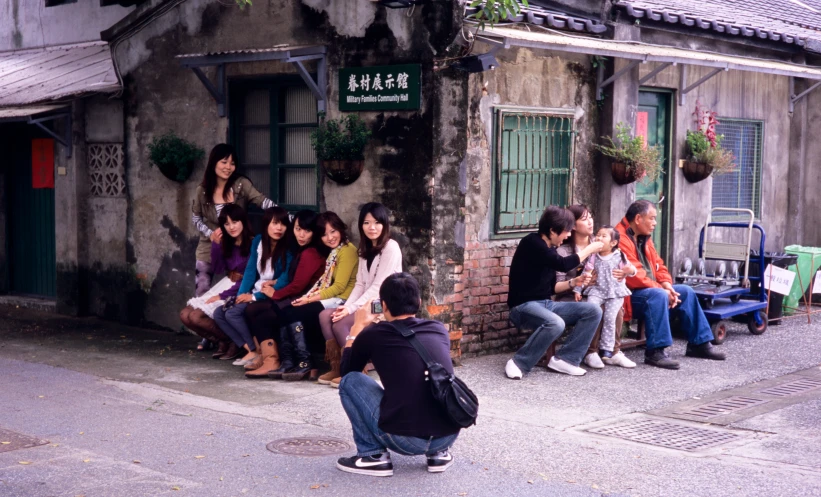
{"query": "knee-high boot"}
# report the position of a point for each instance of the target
(333, 354)
(302, 356)
(286, 355)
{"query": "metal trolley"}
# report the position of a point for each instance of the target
(723, 292)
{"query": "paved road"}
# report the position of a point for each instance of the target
(127, 412)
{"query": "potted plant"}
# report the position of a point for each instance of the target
(340, 146)
(631, 158)
(705, 156)
(174, 156)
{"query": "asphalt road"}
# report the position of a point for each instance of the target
(131, 412)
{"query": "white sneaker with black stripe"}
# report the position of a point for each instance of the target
(439, 462)
(378, 465)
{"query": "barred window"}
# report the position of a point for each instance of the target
(533, 166)
(740, 189)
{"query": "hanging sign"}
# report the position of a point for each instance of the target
(778, 280)
(380, 87)
(42, 163)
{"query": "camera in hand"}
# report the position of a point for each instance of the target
(376, 307)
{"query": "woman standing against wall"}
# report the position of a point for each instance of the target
(221, 185)
(379, 257)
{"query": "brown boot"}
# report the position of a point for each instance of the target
(232, 353)
(333, 354)
(269, 360)
(335, 382)
(223, 348)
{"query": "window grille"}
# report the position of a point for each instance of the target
(740, 189)
(273, 129)
(533, 167)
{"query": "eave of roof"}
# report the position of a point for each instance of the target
(673, 16)
(53, 73)
(540, 16)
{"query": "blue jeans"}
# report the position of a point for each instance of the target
(361, 396)
(547, 320)
(651, 305)
(232, 323)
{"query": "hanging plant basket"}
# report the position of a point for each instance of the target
(696, 171)
(622, 174)
(174, 157)
(343, 172)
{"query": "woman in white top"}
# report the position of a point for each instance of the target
(379, 257)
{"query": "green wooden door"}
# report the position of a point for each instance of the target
(30, 219)
(653, 122)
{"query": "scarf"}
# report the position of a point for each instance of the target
(327, 277)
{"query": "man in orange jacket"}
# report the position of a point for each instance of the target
(655, 297)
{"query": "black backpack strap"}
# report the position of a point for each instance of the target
(411, 336)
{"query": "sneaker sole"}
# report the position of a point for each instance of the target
(323, 382)
(364, 471)
(440, 469)
(335, 385)
(566, 372)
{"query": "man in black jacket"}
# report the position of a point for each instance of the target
(404, 416)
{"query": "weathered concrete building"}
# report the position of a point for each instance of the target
(466, 171)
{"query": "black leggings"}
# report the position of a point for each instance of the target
(263, 318)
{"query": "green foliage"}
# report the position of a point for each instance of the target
(700, 150)
(243, 3)
(633, 152)
(491, 11)
(174, 156)
(341, 139)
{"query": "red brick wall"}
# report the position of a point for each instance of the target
(477, 309)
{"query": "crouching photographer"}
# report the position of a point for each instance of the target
(404, 417)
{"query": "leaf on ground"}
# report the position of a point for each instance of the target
(209, 434)
(462, 494)
(55, 445)
(41, 396)
(530, 481)
(5, 443)
(175, 487)
(220, 478)
(24, 463)
(82, 433)
(199, 457)
(86, 460)
(594, 486)
(246, 455)
(571, 481)
(314, 487)
(135, 461)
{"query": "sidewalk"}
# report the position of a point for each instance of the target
(148, 396)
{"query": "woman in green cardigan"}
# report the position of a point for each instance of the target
(221, 185)
(301, 319)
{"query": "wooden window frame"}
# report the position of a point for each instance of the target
(238, 87)
(496, 231)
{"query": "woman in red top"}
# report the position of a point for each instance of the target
(306, 268)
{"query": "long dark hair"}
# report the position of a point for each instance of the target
(307, 221)
(336, 223)
(278, 215)
(578, 211)
(367, 248)
(236, 213)
(209, 180)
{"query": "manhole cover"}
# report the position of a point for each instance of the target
(11, 440)
(670, 435)
(722, 407)
(792, 388)
(309, 446)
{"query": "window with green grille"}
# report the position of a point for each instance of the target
(533, 166)
(740, 189)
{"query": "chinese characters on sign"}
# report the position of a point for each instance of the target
(380, 87)
(778, 280)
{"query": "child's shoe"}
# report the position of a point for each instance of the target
(619, 359)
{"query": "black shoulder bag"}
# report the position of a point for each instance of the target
(460, 403)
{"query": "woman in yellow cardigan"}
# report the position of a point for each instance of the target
(301, 331)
